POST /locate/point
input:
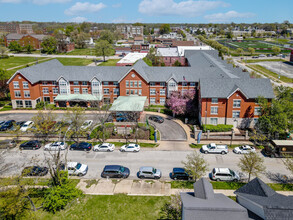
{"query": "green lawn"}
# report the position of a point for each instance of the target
(17, 61)
(75, 61)
(109, 62)
(86, 51)
(264, 60)
(270, 74)
(120, 207)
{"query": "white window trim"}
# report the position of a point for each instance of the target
(237, 100)
(215, 102)
(215, 107)
(25, 83)
(235, 111)
(19, 93)
(214, 118)
(16, 83)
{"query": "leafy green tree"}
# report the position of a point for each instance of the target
(251, 50)
(230, 35)
(177, 63)
(3, 51)
(276, 50)
(69, 29)
(107, 35)
(172, 209)
(14, 46)
(251, 164)
(4, 87)
(240, 51)
(79, 39)
(103, 48)
(29, 48)
(165, 29)
(49, 45)
(196, 165)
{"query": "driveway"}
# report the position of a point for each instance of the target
(169, 130)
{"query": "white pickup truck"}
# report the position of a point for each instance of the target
(213, 148)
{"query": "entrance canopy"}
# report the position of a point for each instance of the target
(129, 104)
(77, 97)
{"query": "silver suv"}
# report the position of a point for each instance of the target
(149, 172)
(224, 174)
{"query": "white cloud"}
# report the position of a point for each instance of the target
(188, 8)
(38, 2)
(228, 16)
(10, 1)
(118, 5)
(83, 8)
(78, 19)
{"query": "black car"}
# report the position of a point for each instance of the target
(7, 125)
(156, 118)
(34, 145)
(115, 171)
(180, 174)
(81, 146)
(20, 123)
(5, 144)
(35, 171)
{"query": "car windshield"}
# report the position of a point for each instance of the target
(154, 170)
(232, 172)
(25, 125)
(86, 123)
(122, 169)
(241, 147)
(78, 166)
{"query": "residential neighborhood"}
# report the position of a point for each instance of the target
(147, 110)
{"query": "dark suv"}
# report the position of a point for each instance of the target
(33, 145)
(156, 118)
(115, 171)
(180, 174)
(7, 125)
(81, 146)
(35, 171)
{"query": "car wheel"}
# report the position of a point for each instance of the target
(175, 178)
(223, 152)
(205, 152)
(218, 180)
(157, 177)
(80, 174)
(235, 180)
(239, 152)
(108, 150)
(22, 148)
(71, 148)
(84, 150)
(34, 148)
(122, 150)
(141, 176)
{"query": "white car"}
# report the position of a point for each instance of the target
(27, 125)
(56, 146)
(104, 147)
(244, 149)
(86, 124)
(78, 169)
(130, 148)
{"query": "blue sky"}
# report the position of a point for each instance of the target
(148, 11)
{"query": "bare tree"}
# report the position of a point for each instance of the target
(195, 165)
(102, 118)
(288, 162)
(252, 164)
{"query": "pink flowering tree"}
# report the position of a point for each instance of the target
(181, 103)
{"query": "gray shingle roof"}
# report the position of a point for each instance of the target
(222, 88)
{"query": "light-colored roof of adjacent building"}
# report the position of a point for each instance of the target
(132, 57)
(168, 52)
(182, 49)
(132, 103)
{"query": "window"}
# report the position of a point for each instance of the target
(135, 91)
(139, 92)
(139, 84)
(27, 94)
(63, 91)
(45, 91)
(214, 110)
(75, 83)
(45, 83)
(46, 99)
(106, 91)
(214, 121)
(153, 92)
(85, 91)
(214, 100)
(63, 83)
(16, 85)
(192, 84)
(55, 90)
(236, 114)
(236, 103)
(127, 91)
(162, 92)
(131, 92)
(95, 92)
(76, 90)
(105, 83)
(162, 101)
(54, 83)
(28, 104)
(95, 83)
(115, 83)
(17, 94)
(152, 84)
(127, 83)
(172, 84)
(135, 83)
(116, 91)
(131, 84)
(162, 84)
(256, 110)
(19, 103)
(25, 85)
(153, 100)
(184, 84)
(84, 83)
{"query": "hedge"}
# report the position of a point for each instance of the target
(217, 128)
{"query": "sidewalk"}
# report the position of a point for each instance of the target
(141, 188)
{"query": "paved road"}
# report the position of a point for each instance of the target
(163, 160)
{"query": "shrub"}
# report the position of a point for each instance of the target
(217, 128)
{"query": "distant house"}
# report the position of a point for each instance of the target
(207, 205)
(183, 43)
(138, 40)
(122, 51)
(34, 40)
(264, 202)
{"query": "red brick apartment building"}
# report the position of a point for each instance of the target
(34, 40)
(225, 94)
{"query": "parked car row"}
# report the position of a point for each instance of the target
(223, 149)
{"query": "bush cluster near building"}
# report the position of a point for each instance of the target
(217, 128)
